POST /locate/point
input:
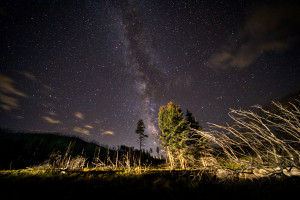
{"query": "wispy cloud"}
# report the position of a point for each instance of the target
(7, 86)
(41, 131)
(52, 113)
(8, 93)
(81, 130)
(28, 75)
(47, 87)
(8, 103)
(108, 133)
(270, 28)
(79, 115)
(49, 105)
(89, 126)
(51, 120)
(97, 121)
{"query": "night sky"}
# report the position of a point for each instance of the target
(92, 69)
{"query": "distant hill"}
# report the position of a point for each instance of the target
(21, 150)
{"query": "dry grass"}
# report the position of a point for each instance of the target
(124, 161)
(261, 139)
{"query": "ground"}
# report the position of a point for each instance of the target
(152, 184)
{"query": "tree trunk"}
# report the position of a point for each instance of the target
(140, 160)
(182, 160)
(171, 158)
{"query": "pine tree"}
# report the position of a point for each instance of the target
(157, 151)
(194, 124)
(191, 121)
(140, 130)
(174, 131)
(197, 144)
(177, 136)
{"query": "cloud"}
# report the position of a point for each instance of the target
(7, 86)
(8, 92)
(49, 105)
(108, 133)
(41, 131)
(89, 126)
(97, 121)
(47, 87)
(52, 113)
(81, 130)
(79, 115)
(28, 75)
(8, 103)
(270, 28)
(51, 120)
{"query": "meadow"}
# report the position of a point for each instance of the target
(149, 184)
(256, 158)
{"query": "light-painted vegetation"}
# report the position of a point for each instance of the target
(260, 142)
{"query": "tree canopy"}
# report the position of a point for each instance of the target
(140, 129)
(176, 135)
(172, 125)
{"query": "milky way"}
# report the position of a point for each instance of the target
(142, 63)
(92, 69)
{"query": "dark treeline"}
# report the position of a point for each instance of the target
(21, 150)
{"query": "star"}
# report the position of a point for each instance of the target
(116, 62)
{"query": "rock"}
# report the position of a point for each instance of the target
(255, 173)
(247, 174)
(292, 172)
(223, 173)
(260, 173)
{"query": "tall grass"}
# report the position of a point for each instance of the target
(125, 159)
(258, 138)
(19, 150)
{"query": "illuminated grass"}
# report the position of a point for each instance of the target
(150, 184)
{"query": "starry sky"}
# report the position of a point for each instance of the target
(92, 69)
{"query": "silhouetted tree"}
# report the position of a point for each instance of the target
(140, 130)
(194, 124)
(191, 121)
(157, 151)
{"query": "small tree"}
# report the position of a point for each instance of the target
(140, 130)
(174, 131)
(157, 151)
(191, 121)
(178, 136)
(197, 145)
(192, 124)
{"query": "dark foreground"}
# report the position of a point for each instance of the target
(31, 184)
